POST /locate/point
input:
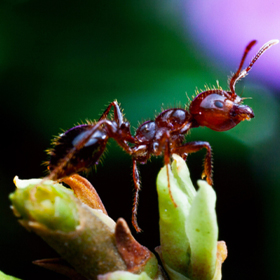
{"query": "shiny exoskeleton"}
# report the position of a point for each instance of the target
(82, 146)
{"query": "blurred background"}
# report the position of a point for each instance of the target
(62, 62)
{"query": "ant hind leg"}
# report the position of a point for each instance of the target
(118, 115)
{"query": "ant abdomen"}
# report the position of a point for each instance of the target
(80, 159)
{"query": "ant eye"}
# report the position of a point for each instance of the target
(219, 104)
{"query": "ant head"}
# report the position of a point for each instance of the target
(222, 110)
(215, 109)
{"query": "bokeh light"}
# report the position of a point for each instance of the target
(222, 28)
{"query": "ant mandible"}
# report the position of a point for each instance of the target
(81, 147)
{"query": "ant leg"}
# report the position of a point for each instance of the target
(167, 155)
(193, 147)
(82, 146)
(121, 124)
(118, 116)
(137, 185)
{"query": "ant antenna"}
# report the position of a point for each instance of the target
(241, 74)
(235, 77)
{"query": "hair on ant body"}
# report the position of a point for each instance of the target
(81, 147)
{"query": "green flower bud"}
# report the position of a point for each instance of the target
(83, 236)
(4, 276)
(202, 231)
(188, 224)
(88, 239)
(49, 204)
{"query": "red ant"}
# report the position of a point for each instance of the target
(81, 147)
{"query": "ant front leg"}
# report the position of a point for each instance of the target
(196, 146)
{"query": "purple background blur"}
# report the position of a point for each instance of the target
(220, 26)
(63, 62)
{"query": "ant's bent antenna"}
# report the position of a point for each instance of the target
(241, 74)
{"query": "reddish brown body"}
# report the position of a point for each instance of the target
(82, 146)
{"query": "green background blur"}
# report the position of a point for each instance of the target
(62, 62)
